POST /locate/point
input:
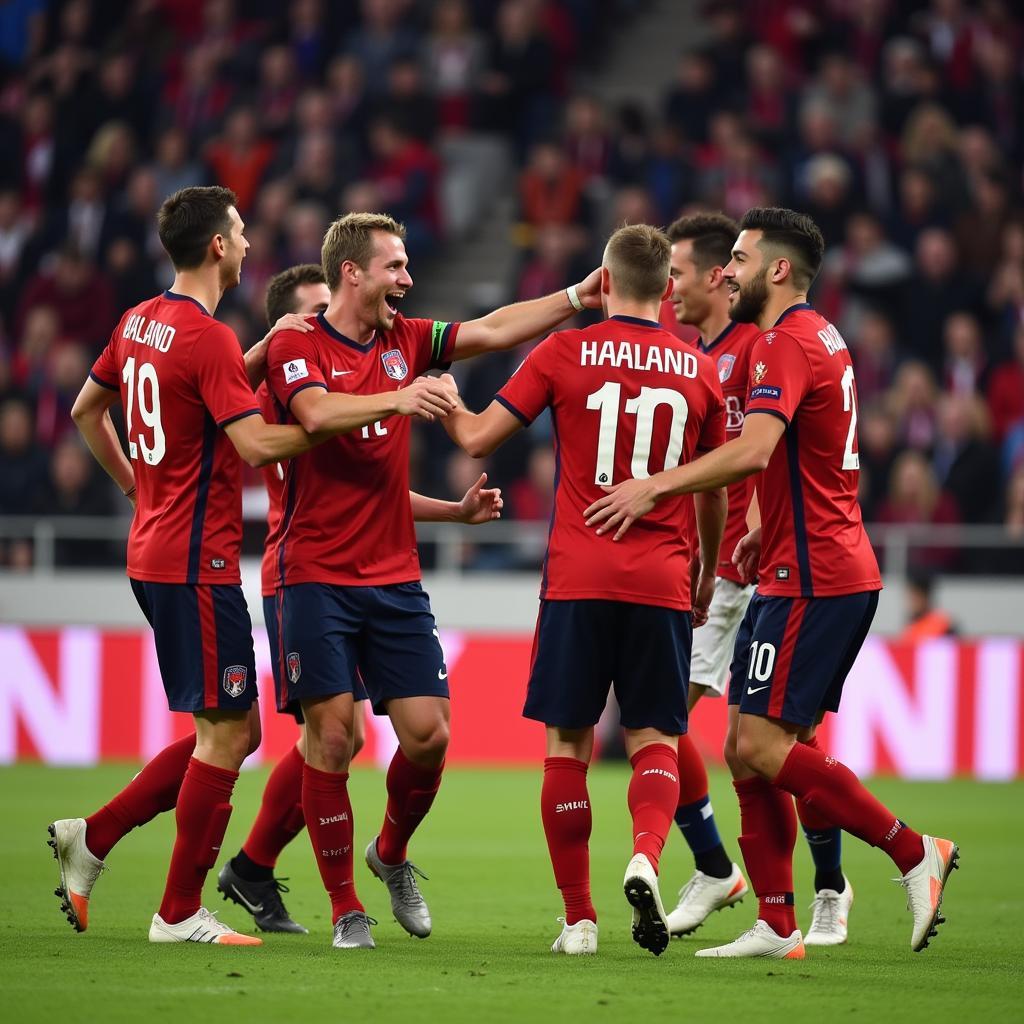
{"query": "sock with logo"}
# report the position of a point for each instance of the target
(203, 810)
(653, 797)
(768, 826)
(694, 816)
(152, 791)
(328, 813)
(824, 840)
(565, 812)
(834, 792)
(411, 791)
(278, 822)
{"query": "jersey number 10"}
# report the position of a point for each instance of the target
(149, 411)
(607, 399)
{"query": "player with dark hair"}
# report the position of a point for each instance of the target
(625, 397)
(294, 295)
(352, 606)
(818, 585)
(190, 413)
(701, 249)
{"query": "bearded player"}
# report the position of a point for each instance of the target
(817, 591)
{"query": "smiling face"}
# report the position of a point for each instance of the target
(747, 278)
(384, 281)
(690, 294)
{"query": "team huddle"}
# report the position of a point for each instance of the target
(677, 507)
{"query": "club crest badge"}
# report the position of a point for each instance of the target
(725, 365)
(234, 680)
(294, 667)
(760, 372)
(394, 364)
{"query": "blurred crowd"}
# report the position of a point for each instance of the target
(898, 126)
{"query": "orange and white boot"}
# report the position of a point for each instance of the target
(79, 869)
(925, 885)
(202, 926)
(761, 940)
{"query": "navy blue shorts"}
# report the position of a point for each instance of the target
(272, 617)
(203, 644)
(793, 654)
(336, 639)
(583, 648)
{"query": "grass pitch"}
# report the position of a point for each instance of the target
(494, 907)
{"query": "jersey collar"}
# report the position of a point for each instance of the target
(721, 337)
(792, 309)
(175, 297)
(344, 339)
(638, 320)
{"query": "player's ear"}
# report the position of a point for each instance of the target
(782, 271)
(667, 293)
(715, 277)
(606, 281)
(218, 246)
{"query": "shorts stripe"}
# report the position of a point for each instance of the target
(195, 542)
(208, 633)
(780, 677)
(278, 625)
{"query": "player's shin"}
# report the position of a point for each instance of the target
(653, 797)
(411, 791)
(279, 820)
(565, 813)
(694, 815)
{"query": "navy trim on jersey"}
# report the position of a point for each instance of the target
(526, 421)
(286, 517)
(721, 337)
(640, 321)
(175, 297)
(344, 339)
(796, 493)
(792, 309)
(302, 387)
(770, 412)
(195, 542)
(103, 384)
(554, 503)
(238, 416)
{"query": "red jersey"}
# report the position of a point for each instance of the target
(627, 399)
(347, 519)
(813, 542)
(730, 352)
(181, 376)
(273, 478)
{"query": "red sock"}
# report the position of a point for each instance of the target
(565, 812)
(328, 814)
(203, 810)
(653, 798)
(411, 791)
(153, 790)
(280, 819)
(831, 789)
(768, 825)
(810, 817)
(693, 776)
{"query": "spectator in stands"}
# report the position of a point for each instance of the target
(878, 444)
(1006, 390)
(692, 98)
(173, 166)
(278, 90)
(980, 227)
(1005, 292)
(965, 368)
(453, 57)
(840, 89)
(551, 188)
(924, 621)
(875, 351)
(769, 102)
(384, 36)
(408, 101)
(240, 156)
(912, 402)
(22, 461)
(14, 234)
(966, 464)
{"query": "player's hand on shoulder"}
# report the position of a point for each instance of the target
(288, 322)
(588, 291)
(426, 397)
(481, 504)
(621, 507)
(747, 555)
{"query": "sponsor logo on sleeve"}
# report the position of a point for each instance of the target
(234, 680)
(394, 364)
(295, 369)
(766, 391)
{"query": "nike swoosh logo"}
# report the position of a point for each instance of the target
(750, 692)
(257, 909)
(441, 674)
(340, 373)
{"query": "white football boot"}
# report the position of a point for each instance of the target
(78, 868)
(702, 896)
(202, 926)
(925, 885)
(761, 940)
(579, 939)
(830, 913)
(650, 926)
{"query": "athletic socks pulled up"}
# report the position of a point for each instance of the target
(152, 791)
(411, 791)
(694, 815)
(653, 797)
(824, 839)
(328, 813)
(279, 820)
(565, 813)
(202, 813)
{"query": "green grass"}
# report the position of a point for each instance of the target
(494, 907)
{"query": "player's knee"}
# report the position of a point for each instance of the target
(334, 745)
(429, 746)
(753, 754)
(732, 757)
(255, 735)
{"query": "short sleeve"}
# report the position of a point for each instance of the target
(106, 371)
(712, 430)
(529, 390)
(780, 376)
(292, 366)
(220, 375)
(432, 343)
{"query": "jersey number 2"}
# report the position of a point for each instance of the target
(607, 399)
(149, 411)
(851, 460)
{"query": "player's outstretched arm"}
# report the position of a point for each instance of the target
(261, 443)
(91, 413)
(256, 357)
(522, 321)
(478, 434)
(747, 454)
(478, 505)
